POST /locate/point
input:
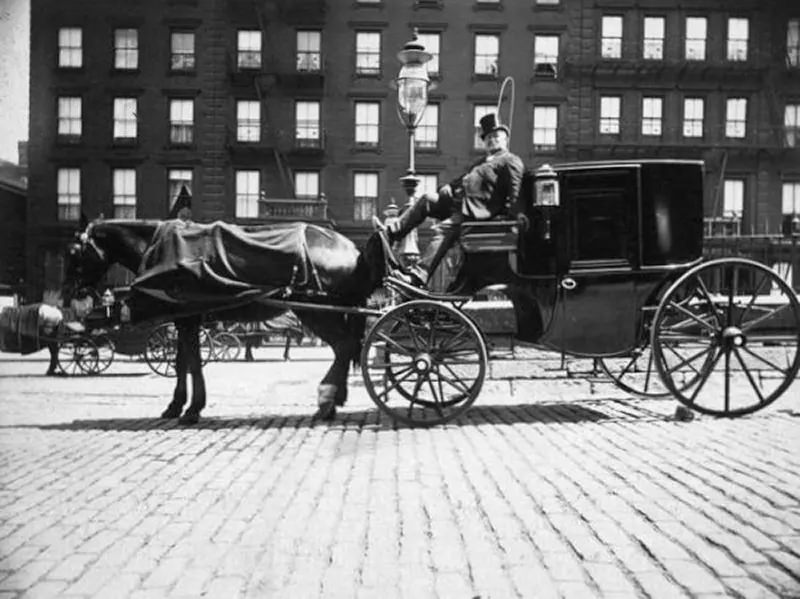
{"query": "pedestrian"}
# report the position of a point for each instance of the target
(487, 189)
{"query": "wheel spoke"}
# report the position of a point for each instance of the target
(749, 376)
(765, 361)
(751, 323)
(727, 381)
(703, 380)
(455, 381)
(400, 348)
(707, 295)
(688, 361)
(691, 316)
(395, 384)
(751, 303)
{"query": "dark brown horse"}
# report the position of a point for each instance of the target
(184, 277)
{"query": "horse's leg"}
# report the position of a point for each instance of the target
(52, 368)
(286, 346)
(175, 407)
(190, 330)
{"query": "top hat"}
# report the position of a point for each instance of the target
(490, 123)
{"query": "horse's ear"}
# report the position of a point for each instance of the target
(84, 222)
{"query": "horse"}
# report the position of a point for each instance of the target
(337, 274)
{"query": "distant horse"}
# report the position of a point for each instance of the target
(337, 274)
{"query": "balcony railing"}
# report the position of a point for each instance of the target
(293, 208)
(723, 226)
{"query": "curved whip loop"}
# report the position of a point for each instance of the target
(506, 81)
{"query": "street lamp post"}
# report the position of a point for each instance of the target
(412, 98)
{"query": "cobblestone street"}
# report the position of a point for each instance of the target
(556, 486)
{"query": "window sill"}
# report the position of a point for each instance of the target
(484, 77)
(436, 4)
(480, 6)
(366, 149)
(124, 142)
(117, 71)
(68, 140)
(182, 73)
(368, 75)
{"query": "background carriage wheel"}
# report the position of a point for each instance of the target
(77, 355)
(227, 346)
(161, 348)
(424, 363)
(726, 336)
(105, 352)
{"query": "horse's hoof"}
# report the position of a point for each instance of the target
(326, 411)
(169, 413)
(189, 418)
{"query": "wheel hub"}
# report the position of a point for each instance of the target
(423, 362)
(732, 337)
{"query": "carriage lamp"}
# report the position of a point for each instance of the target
(108, 301)
(546, 194)
(412, 98)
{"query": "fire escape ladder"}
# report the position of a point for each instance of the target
(720, 185)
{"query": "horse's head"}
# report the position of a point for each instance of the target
(86, 261)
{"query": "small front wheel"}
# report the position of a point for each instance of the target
(424, 363)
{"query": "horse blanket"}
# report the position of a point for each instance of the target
(21, 327)
(192, 268)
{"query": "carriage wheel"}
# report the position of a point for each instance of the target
(424, 363)
(726, 336)
(207, 350)
(226, 346)
(161, 349)
(77, 355)
(105, 352)
(636, 373)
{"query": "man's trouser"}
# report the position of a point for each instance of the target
(447, 210)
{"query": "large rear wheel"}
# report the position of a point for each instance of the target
(725, 337)
(424, 363)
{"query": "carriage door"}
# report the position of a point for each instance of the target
(596, 310)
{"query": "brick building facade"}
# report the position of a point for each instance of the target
(283, 109)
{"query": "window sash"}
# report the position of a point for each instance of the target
(651, 116)
(545, 49)
(545, 127)
(182, 51)
(693, 109)
(368, 53)
(307, 124)
(126, 49)
(736, 117)
(181, 121)
(487, 54)
(309, 55)
(738, 33)
(248, 191)
(427, 133)
(124, 192)
(70, 116)
(791, 124)
(176, 179)
(432, 43)
(367, 123)
(653, 38)
(793, 43)
(365, 195)
(733, 198)
(248, 121)
(428, 184)
(790, 198)
(70, 47)
(248, 49)
(306, 184)
(696, 38)
(609, 115)
(125, 118)
(611, 42)
(68, 187)
(478, 112)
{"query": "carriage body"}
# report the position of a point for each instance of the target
(604, 239)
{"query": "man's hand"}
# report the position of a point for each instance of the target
(393, 225)
(446, 190)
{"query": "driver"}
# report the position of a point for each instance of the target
(488, 188)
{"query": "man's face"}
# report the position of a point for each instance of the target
(496, 141)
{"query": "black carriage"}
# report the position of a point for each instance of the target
(604, 262)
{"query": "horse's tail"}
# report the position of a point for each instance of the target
(356, 324)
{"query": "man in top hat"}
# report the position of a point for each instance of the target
(488, 188)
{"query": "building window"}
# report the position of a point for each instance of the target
(432, 44)
(124, 190)
(793, 43)
(696, 38)
(693, 109)
(368, 53)
(791, 123)
(609, 114)
(125, 118)
(790, 203)
(653, 48)
(365, 195)
(248, 49)
(545, 50)
(248, 186)
(181, 51)
(550, 2)
(478, 112)
(738, 32)
(368, 122)
(611, 43)
(487, 54)
(69, 117)
(733, 198)
(69, 194)
(306, 124)
(306, 185)
(70, 47)
(545, 127)
(248, 121)
(651, 116)
(309, 51)
(177, 179)
(427, 135)
(126, 49)
(181, 121)
(735, 117)
(428, 184)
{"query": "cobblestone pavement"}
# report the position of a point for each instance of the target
(558, 486)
